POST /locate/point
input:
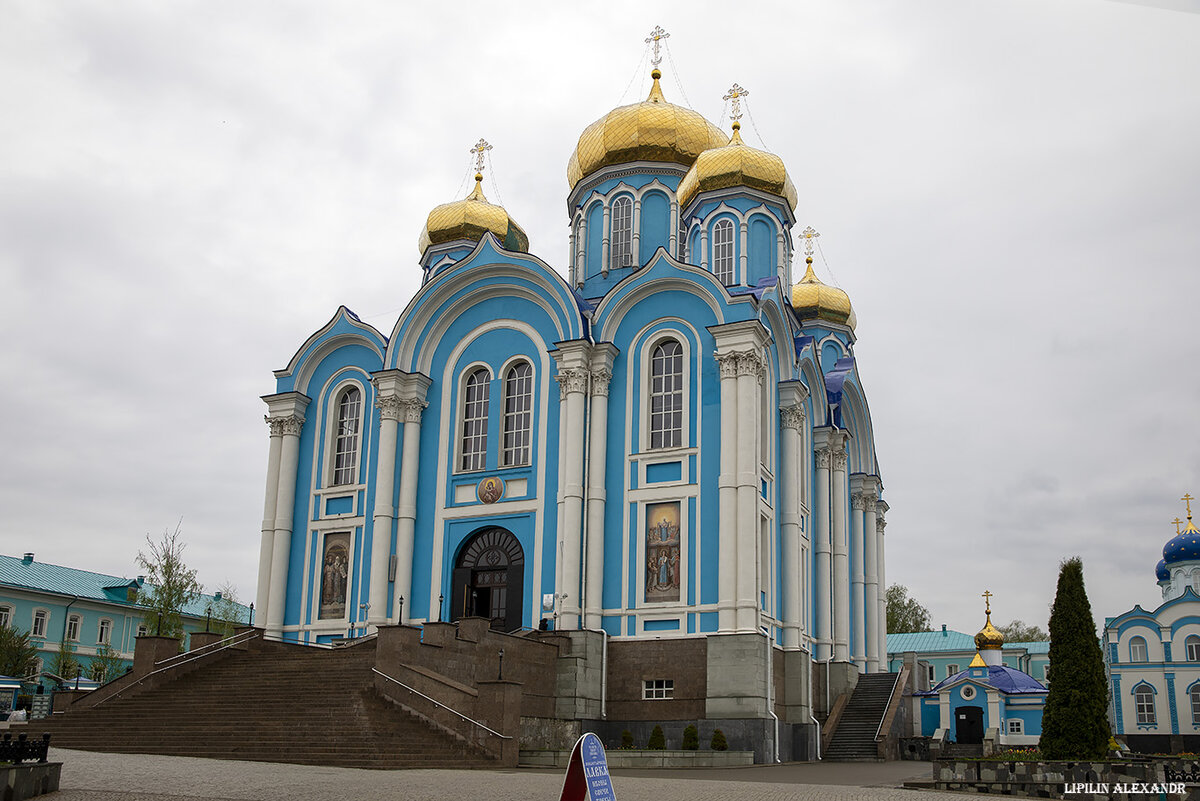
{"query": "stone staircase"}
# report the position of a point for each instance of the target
(854, 738)
(283, 703)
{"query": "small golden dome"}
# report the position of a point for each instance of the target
(737, 164)
(989, 637)
(471, 218)
(652, 130)
(811, 298)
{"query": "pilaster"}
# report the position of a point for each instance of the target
(573, 379)
(285, 414)
(601, 374)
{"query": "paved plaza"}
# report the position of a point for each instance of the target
(91, 776)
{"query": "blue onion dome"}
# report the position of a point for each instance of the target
(1184, 546)
(1160, 570)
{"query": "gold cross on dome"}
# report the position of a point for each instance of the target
(657, 35)
(481, 147)
(735, 95)
(987, 599)
(809, 235)
(1177, 523)
(1187, 498)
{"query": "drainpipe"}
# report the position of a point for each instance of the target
(771, 690)
(811, 716)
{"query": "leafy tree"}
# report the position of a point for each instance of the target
(1075, 719)
(691, 738)
(170, 584)
(657, 741)
(227, 611)
(106, 664)
(1019, 631)
(718, 742)
(18, 656)
(65, 665)
(904, 613)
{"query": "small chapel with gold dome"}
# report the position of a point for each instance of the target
(658, 447)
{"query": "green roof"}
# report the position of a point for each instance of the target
(72, 582)
(924, 642)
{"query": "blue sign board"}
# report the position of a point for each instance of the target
(587, 776)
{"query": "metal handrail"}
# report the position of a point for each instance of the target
(440, 705)
(249, 635)
(891, 695)
(193, 656)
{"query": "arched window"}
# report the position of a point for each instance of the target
(1192, 646)
(723, 251)
(40, 618)
(5, 616)
(1194, 695)
(475, 421)
(622, 232)
(666, 395)
(73, 628)
(1143, 702)
(1137, 650)
(345, 448)
(518, 413)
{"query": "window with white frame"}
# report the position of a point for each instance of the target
(1016, 726)
(5, 616)
(723, 251)
(73, 628)
(658, 689)
(1196, 581)
(929, 675)
(1194, 696)
(622, 232)
(475, 421)
(1143, 702)
(345, 448)
(666, 395)
(1137, 650)
(518, 414)
(1192, 646)
(104, 633)
(38, 665)
(968, 692)
(41, 618)
(951, 670)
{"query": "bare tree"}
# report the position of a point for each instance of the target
(170, 584)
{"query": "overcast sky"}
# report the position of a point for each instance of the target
(1009, 192)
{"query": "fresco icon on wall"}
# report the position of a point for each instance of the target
(662, 552)
(334, 567)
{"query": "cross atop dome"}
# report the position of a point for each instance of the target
(1187, 498)
(656, 36)
(734, 96)
(809, 235)
(987, 599)
(480, 149)
(1177, 523)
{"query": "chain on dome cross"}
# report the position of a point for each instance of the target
(987, 599)
(481, 147)
(656, 36)
(809, 235)
(735, 95)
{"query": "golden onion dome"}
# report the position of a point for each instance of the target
(471, 218)
(989, 637)
(811, 298)
(737, 164)
(652, 130)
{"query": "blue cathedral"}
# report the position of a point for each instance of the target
(659, 448)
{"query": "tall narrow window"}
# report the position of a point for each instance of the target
(345, 450)
(518, 413)
(1192, 646)
(5, 616)
(73, 628)
(1143, 701)
(723, 251)
(681, 242)
(104, 636)
(1194, 693)
(475, 421)
(622, 232)
(40, 617)
(1137, 650)
(666, 395)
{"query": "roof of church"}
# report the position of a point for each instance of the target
(1185, 545)
(1009, 681)
(925, 641)
(70, 581)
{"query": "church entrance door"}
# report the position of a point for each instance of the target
(488, 579)
(968, 725)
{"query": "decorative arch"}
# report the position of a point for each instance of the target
(488, 578)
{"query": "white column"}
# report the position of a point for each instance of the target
(572, 378)
(581, 252)
(267, 544)
(881, 507)
(703, 248)
(406, 520)
(596, 496)
(673, 242)
(637, 232)
(286, 500)
(384, 514)
(841, 562)
(744, 255)
(871, 577)
(750, 370)
(857, 590)
(727, 551)
(822, 564)
(604, 244)
(791, 421)
(573, 271)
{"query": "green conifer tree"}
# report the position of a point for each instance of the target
(1075, 719)
(657, 741)
(718, 741)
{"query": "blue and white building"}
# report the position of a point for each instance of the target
(663, 435)
(942, 654)
(1152, 658)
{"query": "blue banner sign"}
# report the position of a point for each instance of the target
(587, 776)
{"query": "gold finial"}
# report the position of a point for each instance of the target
(987, 599)
(1177, 523)
(657, 35)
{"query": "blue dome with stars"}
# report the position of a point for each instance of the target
(1184, 546)
(1160, 570)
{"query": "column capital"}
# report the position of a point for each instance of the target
(824, 458)
(858, 501)
(727, 363)
(390, 408)
(600, 381)
(282, 426)
(406, 410)
(869, 502)
(839, 461)
(751, 363)
(572, 379)
(792, 417)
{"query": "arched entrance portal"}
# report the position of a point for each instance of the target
(488, 578)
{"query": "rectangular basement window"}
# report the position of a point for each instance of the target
(658, 689)
(1016, 726)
